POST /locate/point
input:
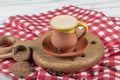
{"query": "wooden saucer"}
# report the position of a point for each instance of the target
(93, 54)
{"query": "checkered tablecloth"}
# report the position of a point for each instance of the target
(29, 27)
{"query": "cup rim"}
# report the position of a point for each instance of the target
(65, 28)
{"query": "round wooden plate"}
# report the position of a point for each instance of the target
(93, 54)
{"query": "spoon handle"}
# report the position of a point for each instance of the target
(5, 56)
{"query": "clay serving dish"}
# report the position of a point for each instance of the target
(49, 48)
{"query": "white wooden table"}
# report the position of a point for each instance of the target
(14, 7)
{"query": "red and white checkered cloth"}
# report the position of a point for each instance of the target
(29, 27)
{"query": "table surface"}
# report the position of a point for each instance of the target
(14, 7)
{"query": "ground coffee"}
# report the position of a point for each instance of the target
(21, 56)
(21, 68)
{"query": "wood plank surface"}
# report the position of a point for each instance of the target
(14, 7)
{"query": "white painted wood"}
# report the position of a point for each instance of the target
(14, 7)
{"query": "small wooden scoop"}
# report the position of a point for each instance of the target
(19, 52)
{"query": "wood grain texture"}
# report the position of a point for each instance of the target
(93, 54)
